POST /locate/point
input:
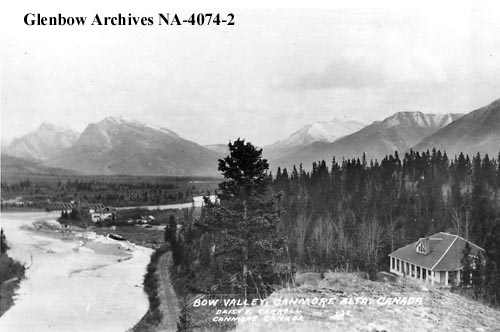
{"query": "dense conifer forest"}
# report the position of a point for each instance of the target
(351, 214)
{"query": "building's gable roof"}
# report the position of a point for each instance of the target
(451, 261)
(70, 206)
(60, 206)
(445, 252)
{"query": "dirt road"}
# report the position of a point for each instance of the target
(169, 303)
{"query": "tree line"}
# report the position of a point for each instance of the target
(154, 192)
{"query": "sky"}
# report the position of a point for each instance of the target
(262, 79)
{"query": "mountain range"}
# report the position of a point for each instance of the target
(399, 132)
(116, 146)
(478, 131)
(44, 143)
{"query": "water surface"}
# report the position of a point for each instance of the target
(69, 287)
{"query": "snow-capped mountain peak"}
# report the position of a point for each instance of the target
(325, 131)
(419, 119)
(117, 121)
(319, 131)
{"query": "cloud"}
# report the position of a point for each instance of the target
(349, 74)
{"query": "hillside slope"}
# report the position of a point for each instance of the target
(439, 310)
(14, 166)
(44, 143)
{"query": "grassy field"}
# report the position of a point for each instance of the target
(161, 216)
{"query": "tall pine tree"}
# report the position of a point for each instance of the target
(243, 225)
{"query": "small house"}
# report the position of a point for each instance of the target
(145, 219)
(435, 259)
(101, 213)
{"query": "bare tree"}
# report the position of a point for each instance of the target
(324, 233)
(461, 222)
(300, 230)
(371, 237)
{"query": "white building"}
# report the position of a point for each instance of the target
(435, 259)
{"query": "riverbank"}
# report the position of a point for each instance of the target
(163, 307)
(146, 237)
(11, 273)
(163, 310)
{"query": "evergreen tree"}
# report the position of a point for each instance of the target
(171, 230)
(417, 195)
(3, 243)
(498, 171)
(184, 323)
(243, 227)
(467, 266)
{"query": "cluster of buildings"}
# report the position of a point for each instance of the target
(16, 201)
(98, 212)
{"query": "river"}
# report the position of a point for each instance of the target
(69, 287)
(196, 203)
(73, 288)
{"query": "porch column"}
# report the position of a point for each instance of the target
(432, 277)
(458, 277)
(446, 278)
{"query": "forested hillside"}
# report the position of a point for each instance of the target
(352, 214)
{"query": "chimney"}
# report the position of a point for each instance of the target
(427, 246)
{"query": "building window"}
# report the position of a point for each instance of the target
(424, 274)
(421, 247)
(397, 265)
(413, 271)
(393, 264)
(418, 272)
(473, 260)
